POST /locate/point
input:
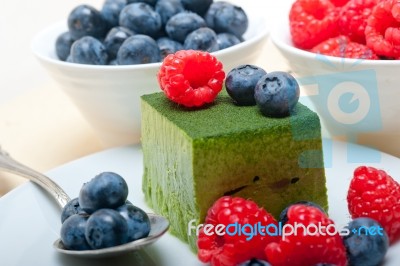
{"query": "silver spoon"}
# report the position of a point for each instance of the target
(159, 224)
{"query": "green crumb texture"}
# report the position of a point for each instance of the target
(192, 157)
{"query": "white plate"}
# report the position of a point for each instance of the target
(30, 220)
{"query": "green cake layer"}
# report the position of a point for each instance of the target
(193, 157)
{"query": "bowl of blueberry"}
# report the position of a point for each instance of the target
(105, 58)
(345, 55)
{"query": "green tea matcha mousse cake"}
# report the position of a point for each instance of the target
(192, 157)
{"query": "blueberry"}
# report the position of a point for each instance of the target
(71, 208)
(168, 46)
(73, 232)
(241, 81)
(113, 62)
(283, 215)
(85, 20)
(106, 228)
(137, 220)
(204, 39)
(111, 10)
(141, 18)
(367, 245)
(149, 2)
(69, 59)
(226, 40)
(89, 50)
(212, 10)
(63, 45)
(114, 39)
(226, 17)
(168, 8)
(181, 24)
(255, 262)
(106, 190)
(198, 6)
(277, 93)
(138, 49)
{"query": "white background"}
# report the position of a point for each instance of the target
(21, 20)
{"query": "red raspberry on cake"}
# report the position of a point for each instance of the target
(341, 46)
(191, 78)
(353, 18)
(310, 247)
(375, 194)
(312, 21)
(382, 32)
(231, 249)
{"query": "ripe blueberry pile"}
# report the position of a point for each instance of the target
(365, 29)
(126, 32)
(374, 203)
(275, 93)
(102, 217)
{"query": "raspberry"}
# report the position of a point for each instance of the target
(328, 46)
(382, 32)
(374, 194)
(228, 250)
(341, 46)
(318, 246)
(353, 19)
(312, 21)
(357, 51)
(339, 3)
(283, 218)
(191, 78)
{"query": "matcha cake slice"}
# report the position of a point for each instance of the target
(193, 157)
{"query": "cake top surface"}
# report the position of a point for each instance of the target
(223, 118)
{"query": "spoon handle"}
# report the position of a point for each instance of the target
(10, 165)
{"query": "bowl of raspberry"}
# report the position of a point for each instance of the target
(345, 54)
(104, 58)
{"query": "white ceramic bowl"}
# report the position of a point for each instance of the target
(108, 96)
(357, 99)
